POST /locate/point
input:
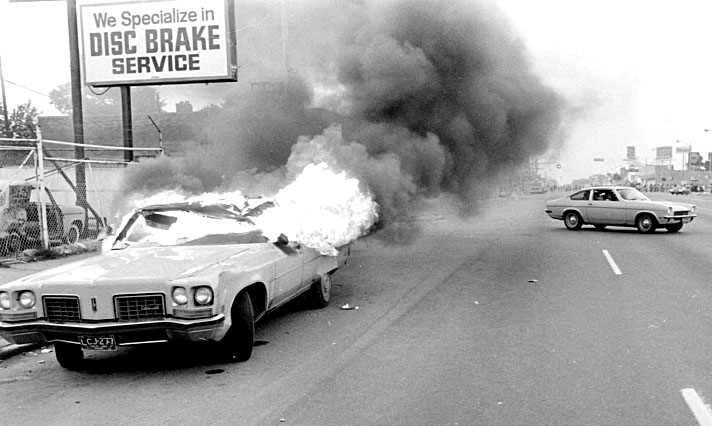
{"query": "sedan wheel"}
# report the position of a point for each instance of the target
(239, 340)
(573, 221)
(645, 223)
(320, 292)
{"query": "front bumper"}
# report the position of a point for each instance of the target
(673, 219)
(126, 334)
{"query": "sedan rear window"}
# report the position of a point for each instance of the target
(581, 195)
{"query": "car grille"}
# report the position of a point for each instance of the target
(681, 213)
(139, 307)
(62, 309)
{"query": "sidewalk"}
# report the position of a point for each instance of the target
(13, 270)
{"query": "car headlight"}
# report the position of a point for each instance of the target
(27, 299)
(180, 296)
(692, 210)
(670, 211)
(4, 300)
(203, 295)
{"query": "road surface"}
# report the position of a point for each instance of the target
(505, 318)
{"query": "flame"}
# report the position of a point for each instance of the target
(321, 209)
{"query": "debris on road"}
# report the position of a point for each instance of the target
(348, 307)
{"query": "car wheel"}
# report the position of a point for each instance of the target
(73, 234)
(10, 244)
(238, 342)
(68, 355)
(573, 221)
(320, 292)
(600, 227)
(645, 223)
(675, 227)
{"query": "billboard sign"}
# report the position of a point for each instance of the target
(682, 149)
(630, 153)
(158, 42)
(663, 153)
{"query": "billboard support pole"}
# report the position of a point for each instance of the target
(127, 122)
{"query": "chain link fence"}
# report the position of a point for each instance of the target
(38, 202)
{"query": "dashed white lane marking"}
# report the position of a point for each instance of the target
(699, 409)
(609, 258)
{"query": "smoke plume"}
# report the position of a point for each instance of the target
(411, 97)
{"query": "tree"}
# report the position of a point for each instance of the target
(22, 120)
(144, 100)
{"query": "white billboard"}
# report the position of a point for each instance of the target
(158, 42)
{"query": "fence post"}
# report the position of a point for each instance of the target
(41, 191)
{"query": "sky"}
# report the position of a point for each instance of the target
(634, 73)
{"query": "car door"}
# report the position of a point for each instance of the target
(289, 268)
(606, 208)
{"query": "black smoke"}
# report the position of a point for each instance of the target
(431, 96)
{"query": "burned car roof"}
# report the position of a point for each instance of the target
(225, 211)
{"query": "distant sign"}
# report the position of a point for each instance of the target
(630, 153)
(158, 42)
(598, 159)
(663, 153)
(682, 149)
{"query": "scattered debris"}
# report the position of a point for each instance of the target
(533, 281)
(46, 350)
(348, 307)
(41, 361)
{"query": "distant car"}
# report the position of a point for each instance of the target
(619, 206)
(679, 190)
(182, 271)
(538, 188)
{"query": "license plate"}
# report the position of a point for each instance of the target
(98, 343)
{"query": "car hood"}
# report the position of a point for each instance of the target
(138, 265)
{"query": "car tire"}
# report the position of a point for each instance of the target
(240, 338)
(10, 245)
(600, 227)
(320, 292)
(646, 223)
(675, 227)
(73, 234)
(573, 221)
(68, 355)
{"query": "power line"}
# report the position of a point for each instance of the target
(27, 88)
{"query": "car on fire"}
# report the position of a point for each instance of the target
(174, 272)
(619, 206)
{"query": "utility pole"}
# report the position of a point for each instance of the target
(4, 103)
(77, 107)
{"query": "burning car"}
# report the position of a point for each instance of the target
(174, 272)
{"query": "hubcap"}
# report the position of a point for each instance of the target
(326, 286)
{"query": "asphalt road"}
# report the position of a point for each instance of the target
(506, 318)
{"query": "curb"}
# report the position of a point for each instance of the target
(12, 349)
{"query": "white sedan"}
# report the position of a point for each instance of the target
(619, 206)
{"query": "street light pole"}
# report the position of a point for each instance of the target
(4, 103)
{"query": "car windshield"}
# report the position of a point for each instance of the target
(632, 194)
(176, 227)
